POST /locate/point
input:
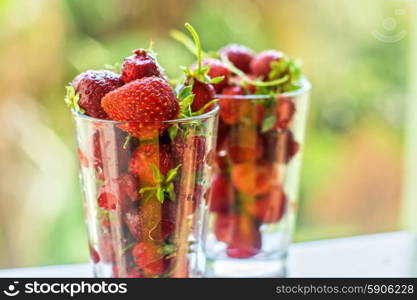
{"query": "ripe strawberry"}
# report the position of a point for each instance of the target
(285, 112)
(224, 225)
(107, 200)
(222, 195)
(110, 149)
(105, 246)
(114, 192)
(233, 108)
(91, 86)
(245, 145)
(148, 257)
(217, 68)
(261, 64)
(281, 147)
(203, 93)
(134, 273)
(254, 179)
(195, 144)
(128, 187)
(146, 155)
(246, 239)
(140, 64)
(268, 208)
(147, 102)
(238, 55)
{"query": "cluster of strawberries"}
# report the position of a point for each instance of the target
(139, 162)
(254, 140)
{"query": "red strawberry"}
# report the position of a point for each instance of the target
(259, 113)
(261, 64)
(203, 93)
(253, 179)
(285, 112)
(239, 55)
(224, 225)
(107, 200)
(147, 102)
(245, 145)
(146, 155)
(217, 69)
(140, 64)
(91, 86)
(196, 144)
(108, 149)
(232, 108)
(268, 208)
(149, 258)
(246, 239)
(128, 187)
(113, 192)
(222, 195)
(134, 273)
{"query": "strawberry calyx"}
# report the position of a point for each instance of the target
(164, 184)
(72, 98)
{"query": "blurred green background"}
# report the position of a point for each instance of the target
(356, 53)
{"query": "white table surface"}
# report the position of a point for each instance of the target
(379, 255)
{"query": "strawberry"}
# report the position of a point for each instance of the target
(217, 69)
(224, 225)
(246, 239)
(106, 148)
(203, 93)
(196, 144)
(91, 86)
(238, 55)
(140, 64)
(285, 112)
(149, 258)
(134, 273)
(268, 208)
(261, 64)
(249, 88)
(232, 108)
(113, 192)
(222, 195)
(253, 179)
(107, 200)
(245, 145)
(280, 147)
(147, 102)
(146, 155)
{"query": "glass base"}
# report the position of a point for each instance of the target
(246, 268)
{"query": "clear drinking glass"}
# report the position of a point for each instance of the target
(146, 200)
(255, 185)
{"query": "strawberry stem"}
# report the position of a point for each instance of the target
(197, 44)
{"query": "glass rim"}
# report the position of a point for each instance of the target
(206, 115)
(305, 87)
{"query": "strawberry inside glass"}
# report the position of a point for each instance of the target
(146, 151)
(263, 107)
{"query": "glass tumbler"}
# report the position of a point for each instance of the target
(254, 188)
(146, 199)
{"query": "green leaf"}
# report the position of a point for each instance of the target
(172, 173)
(173, 131)
(157, 175)
(160, 194)
(185, 92)
(268, 123)
(197, 43)
(216, 79)
(205, 106)
(127, 140)
(171, 192)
